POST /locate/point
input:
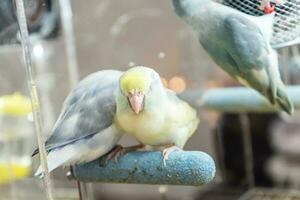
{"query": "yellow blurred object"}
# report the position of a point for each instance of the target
(13, 171)
(177, 84)
(15, 105)
(15, 162)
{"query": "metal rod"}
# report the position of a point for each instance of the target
(40, 57)
(295, 50)
(89, 191)
(236, 99)
(286, 71)
(248, 150)
(286, 44)
(220, 150)
(70, 176)
(86, 191)
(162, 190)
(79, 190)
(33, 95)
(69, 36)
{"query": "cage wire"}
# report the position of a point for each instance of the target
(286, 26)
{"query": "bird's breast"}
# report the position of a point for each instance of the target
(148, 128)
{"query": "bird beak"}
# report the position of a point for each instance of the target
(136, 101)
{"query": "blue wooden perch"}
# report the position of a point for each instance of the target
(236, 99)
(146, 167)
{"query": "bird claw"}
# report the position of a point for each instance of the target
(115, 153)
(118, 151)
(167, 151)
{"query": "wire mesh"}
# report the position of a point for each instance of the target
(286, 27)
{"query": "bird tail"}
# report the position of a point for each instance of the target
(56, 158)
(283, 100)
(277, 92)
(278, 96)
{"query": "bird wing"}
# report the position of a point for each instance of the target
(246, 43)
(265, 23)
(179, 107)
(182, 118)
(88, 109)
(256, 63)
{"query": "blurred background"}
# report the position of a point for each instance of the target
(116, 34)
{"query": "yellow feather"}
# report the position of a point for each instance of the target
(134, 80)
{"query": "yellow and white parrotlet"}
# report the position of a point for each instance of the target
(151, 113)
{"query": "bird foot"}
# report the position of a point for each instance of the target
(118, 151)
(115, 153)
(167, 151)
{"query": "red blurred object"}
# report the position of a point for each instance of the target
(269, 9)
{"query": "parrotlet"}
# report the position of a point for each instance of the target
(108, 103)
(85, 129)
(153, 114)
(239, 44)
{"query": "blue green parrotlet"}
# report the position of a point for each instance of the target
(239, 44)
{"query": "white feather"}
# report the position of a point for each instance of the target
(83, 150)
(264, 23)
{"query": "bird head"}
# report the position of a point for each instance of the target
(135, 84)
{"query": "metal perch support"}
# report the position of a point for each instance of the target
(236, 99)
(146, 167)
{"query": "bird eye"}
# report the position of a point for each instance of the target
(122, 93)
